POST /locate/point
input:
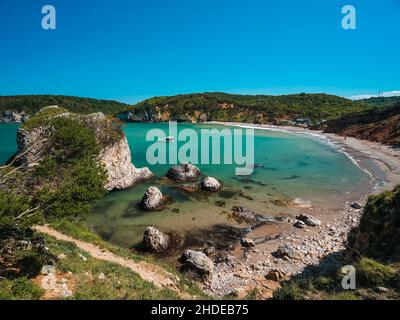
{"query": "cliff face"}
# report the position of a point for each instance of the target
(121, 172)
(378, 235)
(376, 125)
(33, 145)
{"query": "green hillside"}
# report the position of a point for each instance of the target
(245, 108)
(32, 103)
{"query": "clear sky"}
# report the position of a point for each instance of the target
(129, 49)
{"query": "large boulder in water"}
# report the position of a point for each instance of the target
(184, 173)
(154, 240)
(210, 184)
(198, 262)
(153, 199)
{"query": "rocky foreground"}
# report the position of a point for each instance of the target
(289, 248)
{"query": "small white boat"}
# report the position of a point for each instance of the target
(168, 139)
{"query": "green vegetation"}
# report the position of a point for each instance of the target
(19, 289)
(80, 230)
(33, 103)
(119, 282)
(244, 108)
(68, 177)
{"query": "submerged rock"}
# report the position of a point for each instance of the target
(309, 220)
(210, 184)
(34, 143)
(276, 275)
(155, 240)
(301, 203)
(153, 199)
(243, 214)
(198, 262)
(184, 173)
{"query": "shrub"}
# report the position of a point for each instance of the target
(19, 289)
(372, 273)
(289, 292)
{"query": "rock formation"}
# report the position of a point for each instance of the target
(210, 184)
(116, 157)
(198, 262)
(184, 173)
(154, 240)
(152, 199)
(122, 173)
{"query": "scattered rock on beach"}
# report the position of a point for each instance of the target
(152, 199)
(243, 214)
(299, 224)
(309, 220)
(210, 184)
(301, 203)
(246, 242)
(356, 205)
(155, 240)
(246, 195)
(198, 262)
(287, 251)
(183, 173)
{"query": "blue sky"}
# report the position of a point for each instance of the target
(130, 50)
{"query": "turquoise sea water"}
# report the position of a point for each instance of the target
(8, 141)
(293, 166)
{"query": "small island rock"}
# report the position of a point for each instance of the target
(210, 184)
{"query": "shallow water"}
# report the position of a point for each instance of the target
(292, 166)
(8, 141)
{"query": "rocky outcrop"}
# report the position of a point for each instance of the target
(198, 262)
(33, 144)
(10, 116)
(155, 240)
(309, 220)
(153, 199)
(210, 184)
(356, 205)
(184, 173)
(121, 172)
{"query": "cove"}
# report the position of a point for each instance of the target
(293, 166)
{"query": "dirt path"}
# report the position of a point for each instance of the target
(147, 271)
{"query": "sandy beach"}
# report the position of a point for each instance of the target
(246, 267)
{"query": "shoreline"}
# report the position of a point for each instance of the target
(321, 246)
(385, 157)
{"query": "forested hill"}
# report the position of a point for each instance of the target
(30, 104)
(243, 108)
